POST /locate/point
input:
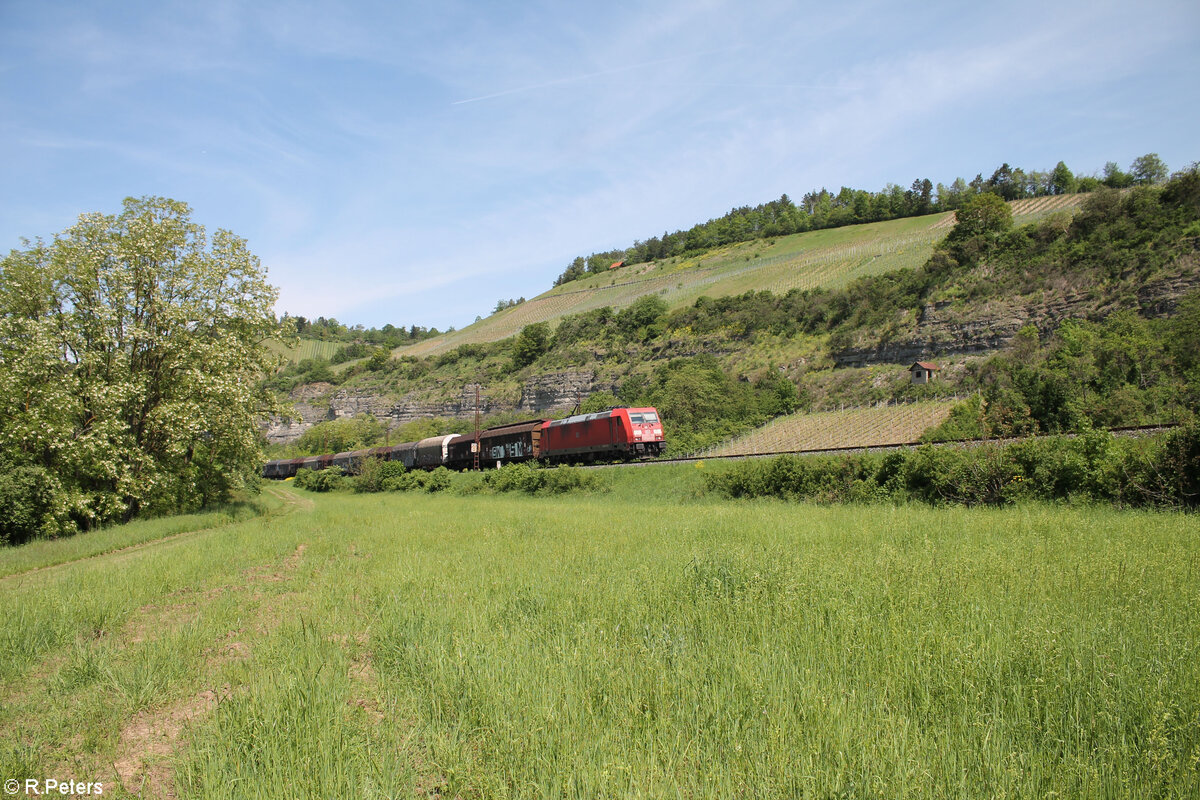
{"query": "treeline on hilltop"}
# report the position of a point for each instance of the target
(823, 209)
(372, 344)
(330, 330)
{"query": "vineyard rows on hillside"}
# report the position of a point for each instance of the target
(1025, 211)
(827, 259)
(823, 267)
(309, 348)
(853, 427)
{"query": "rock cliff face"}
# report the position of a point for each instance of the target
(313, 403)
(942, 329)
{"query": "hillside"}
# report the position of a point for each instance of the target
(731, 338)
(826, 259)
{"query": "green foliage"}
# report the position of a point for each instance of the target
(437, 480)
(471, 350)
(778, 396)
(744, 316)
(379, 359)
(330, 330)
(531, 478)
(1123, 371)
(349, 352)
(1148, 169)
(596, 324)
(374, 474)
(131, 351)
(52, 552)
(502, 305)
(532, 342)
(1114, 178)
(639, 321)
(28, 505)
(306, 370)
(1093, 467)
(1175, 475)
(324, 480)
(599, 401)
(1062, 180)
(419, 429)
(982, 215)
(966, 421)
(342, 435)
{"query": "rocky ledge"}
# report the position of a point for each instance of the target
(317, 402)
(943, 329)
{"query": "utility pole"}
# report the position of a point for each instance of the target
(475, 447)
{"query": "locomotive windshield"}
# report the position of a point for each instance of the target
(639, 418)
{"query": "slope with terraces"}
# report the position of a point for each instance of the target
(825, 259)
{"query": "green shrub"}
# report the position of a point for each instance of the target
(373, 473)
(27, 505)
(340, 435)
(406, 481)
(436, 481)
(1092, 467)
(1173, 477)
(325, 480)
(532, 478)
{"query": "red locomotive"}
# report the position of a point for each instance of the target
(622, 432)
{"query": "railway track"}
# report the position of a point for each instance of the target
(1133, 430)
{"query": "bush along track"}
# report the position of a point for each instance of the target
(1162, 472)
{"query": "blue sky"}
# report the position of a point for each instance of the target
(415, 162)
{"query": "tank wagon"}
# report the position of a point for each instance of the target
(619, 433)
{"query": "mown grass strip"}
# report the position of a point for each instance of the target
(47, 553)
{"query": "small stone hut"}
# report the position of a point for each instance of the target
(924, 371)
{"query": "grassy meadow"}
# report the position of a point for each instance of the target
(644, 641)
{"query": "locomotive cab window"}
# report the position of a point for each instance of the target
(636, 419)
(650, 416)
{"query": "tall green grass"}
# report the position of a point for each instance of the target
(51, 552)
(638, 643)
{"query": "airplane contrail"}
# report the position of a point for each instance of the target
(586, 76)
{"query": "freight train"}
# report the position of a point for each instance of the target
(619, 433)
